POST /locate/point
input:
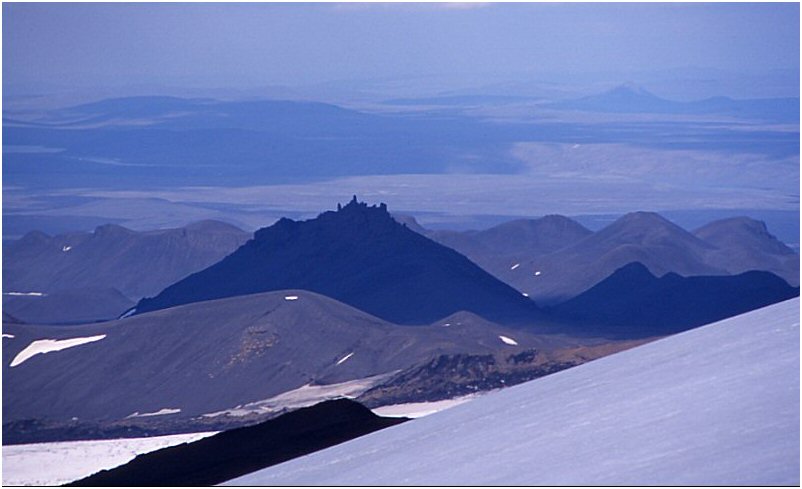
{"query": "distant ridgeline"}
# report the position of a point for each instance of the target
(361, 256)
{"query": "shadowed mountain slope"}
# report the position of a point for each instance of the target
(206, 357)
(502, 246)
(361, 256)
(72, 306)
(744, 244)
(634, 303)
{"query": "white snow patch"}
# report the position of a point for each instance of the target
(343, 359)
(515, 266)
(47, 346)
(507, 340)
(537, 273)
(717, 405)
(128, 313)
(28, 294)
(6, 335)
(54, 464)
(160, 412)
(524, 294)
(447, 325)
(307, 395)
(66, 248)
(290, 297)
(420, 409)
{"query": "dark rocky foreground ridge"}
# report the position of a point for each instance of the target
(233, 453)
(361, 256)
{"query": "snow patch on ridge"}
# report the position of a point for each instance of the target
(343, 359)
(304, 396)
(26, 294)
(6, 335)
(47, 346)
(290, 297)
(508, 340)
(420, 409)
(160, 412)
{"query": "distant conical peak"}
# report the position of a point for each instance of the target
(631, 87)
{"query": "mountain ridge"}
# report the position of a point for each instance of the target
(344, 254)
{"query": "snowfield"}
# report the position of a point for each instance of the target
(53, 464)
(307, 395)
(47, 346)
(718, 405)
(421, 409)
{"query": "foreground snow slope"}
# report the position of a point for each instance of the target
(715, 405)
(53, 464)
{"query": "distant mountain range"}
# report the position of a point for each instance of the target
(565, 259)
(361, 256)
(630, 98)
(85, 276)
(137, 263)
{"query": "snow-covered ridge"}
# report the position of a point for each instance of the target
(47, 346)
(718, 405)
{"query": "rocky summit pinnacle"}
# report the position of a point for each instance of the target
(361, 256)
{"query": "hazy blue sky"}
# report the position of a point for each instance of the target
(254, 44)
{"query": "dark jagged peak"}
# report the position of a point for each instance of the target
(359, 255)
(352, 220)
(363, 210)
